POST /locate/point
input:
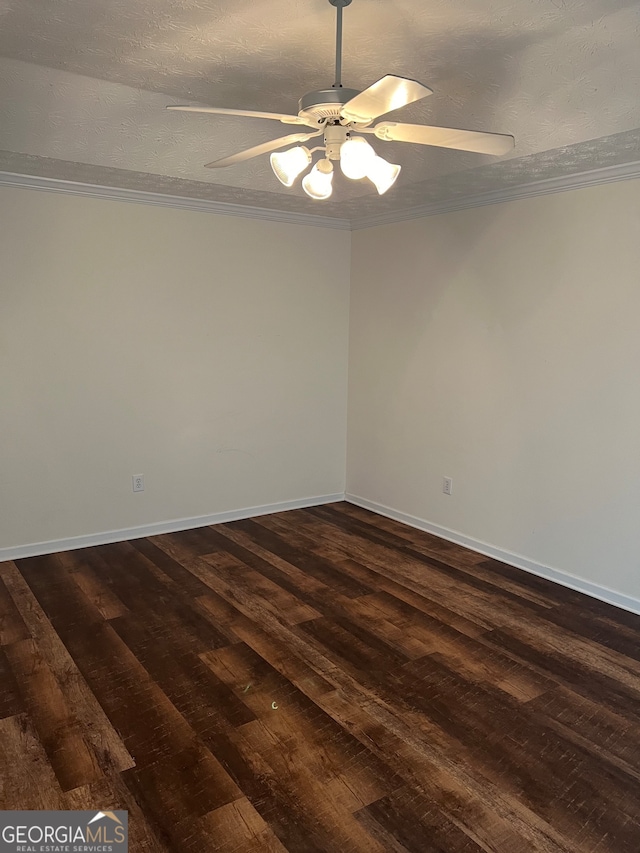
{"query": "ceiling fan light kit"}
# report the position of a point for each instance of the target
(339, 115)
(287, 165)
(356, 155)
(383, 175)
(318, 183)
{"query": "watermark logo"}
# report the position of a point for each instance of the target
(63, 832)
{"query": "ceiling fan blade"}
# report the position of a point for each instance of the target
(285, 119)
(446, 137)
(263, 148)
(387, 94)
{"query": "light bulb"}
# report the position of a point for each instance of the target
(318, 183)
(287, 165)
(382, 173)
(356, 156)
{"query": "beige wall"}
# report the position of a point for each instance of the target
(500, 346)
(206, 352)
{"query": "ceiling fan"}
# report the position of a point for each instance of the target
(342, 116)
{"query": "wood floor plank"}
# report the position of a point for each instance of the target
(199, 696)
(183, 579)
(319, 681)
(600, 628)
(187, 543)
(585, 673)
(548, 773)
(429, 576)
(107, 746)
(111, 793)
(431, 832)
(239, 828)
(153, 596)
(239, 595)
(378, 567)
(12, 626)
(11, 702)
(283, 658)
(98, 593)
(279, 806)
(411, 604)
(298, 556)
(238, 574)
(27, 779)
(413, 542)
(49, 579)
(350, 649)
(222, 613)
(488, 815)
(293, 724)
(55, 722)
(294, 791)
(326, 601)
(439, 547)
(587, 722)
(183, 786)
(148, 723)
(245, 549)
(472, 657)
(315, 592)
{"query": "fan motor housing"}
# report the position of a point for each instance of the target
(325, 103)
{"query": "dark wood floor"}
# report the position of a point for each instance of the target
(319, 680)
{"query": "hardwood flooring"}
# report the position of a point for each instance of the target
(319, 680)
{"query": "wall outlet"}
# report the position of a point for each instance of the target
(138, 482)
(447, 485)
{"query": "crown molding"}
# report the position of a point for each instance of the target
(34, 182)
(581, 180)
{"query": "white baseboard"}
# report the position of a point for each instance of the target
(56, 545)
(603, 593)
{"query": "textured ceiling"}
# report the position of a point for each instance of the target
(83, 86)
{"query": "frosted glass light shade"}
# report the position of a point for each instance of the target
(287, 165)
(382, 174)
(318, 183)
(356, 156)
